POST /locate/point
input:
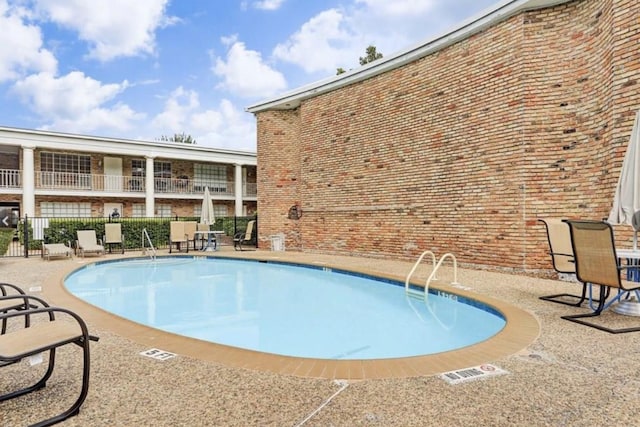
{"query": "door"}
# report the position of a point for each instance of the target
(112, 174)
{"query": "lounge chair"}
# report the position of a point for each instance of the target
(597, 264)
(561, 253)
(46, 329)
(88, 243)
(55, 250)
(245, 237)
(113, 235)
(177, 236)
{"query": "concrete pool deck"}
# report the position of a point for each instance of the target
(567, 375)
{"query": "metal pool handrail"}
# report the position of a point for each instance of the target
(145, 234)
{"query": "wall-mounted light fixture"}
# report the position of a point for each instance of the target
(295, 212)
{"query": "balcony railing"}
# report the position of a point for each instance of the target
(10, 178)
(131, 184)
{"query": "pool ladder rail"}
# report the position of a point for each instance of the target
(147, 239)
(433, 276)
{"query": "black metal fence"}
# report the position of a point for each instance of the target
(27, 238)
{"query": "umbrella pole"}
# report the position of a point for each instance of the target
(635, 240)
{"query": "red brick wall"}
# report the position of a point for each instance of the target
(463, 150)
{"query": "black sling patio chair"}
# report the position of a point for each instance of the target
(9, 304)
(597, 264)
(46, 329)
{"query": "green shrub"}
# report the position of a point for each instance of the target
(6, 236)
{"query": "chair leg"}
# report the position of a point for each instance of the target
(74, 409)
(578, 318)
(558, 298)
(42, 382)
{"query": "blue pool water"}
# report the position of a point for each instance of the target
(283, 309)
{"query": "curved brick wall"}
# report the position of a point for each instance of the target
(462, 150)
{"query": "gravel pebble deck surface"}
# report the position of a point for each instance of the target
(570, 375)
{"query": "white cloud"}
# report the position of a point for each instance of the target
(268, 4)
(339, 37)
(223, 127)
(245, 74)
(177, 110)
(75, 102)
(113, 28)
(21, 48)
(227, 127)
(322, 44)
(398, 7)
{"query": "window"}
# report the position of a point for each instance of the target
(162, 169)
(212, 176)
(139, 210)
(163, 211)
(65, 210)
(219, 211)
(65, 170)
(138, 168)
(162, 172)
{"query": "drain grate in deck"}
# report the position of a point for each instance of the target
(470, 374)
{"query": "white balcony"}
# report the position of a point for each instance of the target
(127, 184)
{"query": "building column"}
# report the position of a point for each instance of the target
(238, 189)
(149, 189)
(28, 182)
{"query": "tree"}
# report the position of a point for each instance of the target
(179, 137)
(372, 55)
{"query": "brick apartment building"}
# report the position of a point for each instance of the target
(49, 174)
(460, 143)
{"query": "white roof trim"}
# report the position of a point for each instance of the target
(485, 19)
(126, 147)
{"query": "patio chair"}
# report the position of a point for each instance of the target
(561, 253)
(55, 250)
(113, 235)
(203, 238)
(88, 243)
(46, 329)
(597, 264)
(190, 228)
(177, 236)
(7, 303)
(245, 237)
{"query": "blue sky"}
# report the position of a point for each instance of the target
(145, 68)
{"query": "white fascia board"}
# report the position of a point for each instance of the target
(485, 19)
(122, 147)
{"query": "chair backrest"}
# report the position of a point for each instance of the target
(177, 231)
(202, 227)
(249, 231)
(87, 238)
(559, 238)
(595, 253)
(112, 232)
(190, 229)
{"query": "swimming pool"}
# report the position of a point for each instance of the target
(283, 309)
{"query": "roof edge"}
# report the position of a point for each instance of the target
(495, 14)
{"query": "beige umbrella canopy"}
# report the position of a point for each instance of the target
(206, 215)
(627, 198)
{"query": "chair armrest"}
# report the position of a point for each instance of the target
(50, 311)
(5, 286)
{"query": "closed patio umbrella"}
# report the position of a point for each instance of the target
(206, 215)
(627, 198)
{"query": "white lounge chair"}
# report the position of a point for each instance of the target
(88, 243)
(55, 250)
